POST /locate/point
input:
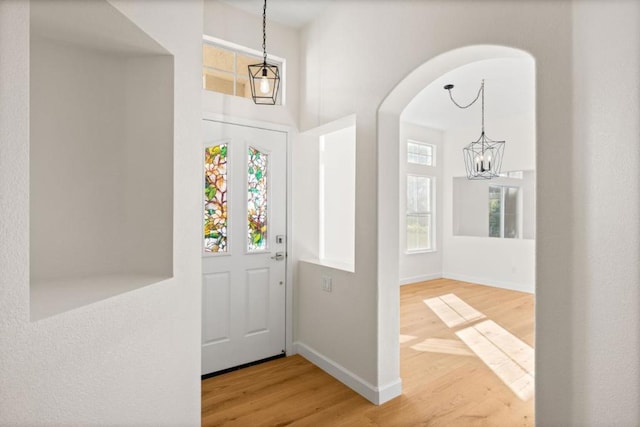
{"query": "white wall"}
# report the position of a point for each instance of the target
(337, 197)
(471, 255)
(470, 213)
(503, 263)
(506, 263)
(132, 359)
(342, 47)
(149, 164)
(115, 130)
(601, 348)
(99, 161)
(415, 267)
(77, 172)
(307, 260)
(306, 212)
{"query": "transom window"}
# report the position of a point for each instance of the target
(224, 68)
(421, 153)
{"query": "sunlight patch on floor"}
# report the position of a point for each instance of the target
(511, 359)
(512, 346)
(452, 310)
(406, 338)
(438, 345)
(508, 357)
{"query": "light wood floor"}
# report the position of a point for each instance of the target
(439, 389)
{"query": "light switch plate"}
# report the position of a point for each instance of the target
(327, 284)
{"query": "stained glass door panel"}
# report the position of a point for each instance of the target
(257, 205)
(215, 199)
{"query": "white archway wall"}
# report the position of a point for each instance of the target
(388, 130)
(353, 56)
(509, 75)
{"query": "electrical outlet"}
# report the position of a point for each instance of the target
(327, 286)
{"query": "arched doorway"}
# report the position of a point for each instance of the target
(389, 114)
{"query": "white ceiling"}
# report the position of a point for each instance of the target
(293, 13)
(509, 82)
(509, 91)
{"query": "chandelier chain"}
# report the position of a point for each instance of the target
(482, 89)
(264, 32)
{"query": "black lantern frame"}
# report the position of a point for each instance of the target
(482, 157)
(258, 74)
(264, 78)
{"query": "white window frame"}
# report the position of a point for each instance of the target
(425, 144)
(502, 207)
(432, 216)
(276, 60)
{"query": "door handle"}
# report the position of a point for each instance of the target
(279, 256)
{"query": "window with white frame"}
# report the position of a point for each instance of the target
(420, 213)
(225, 68)
(421, 153)
(503, 211)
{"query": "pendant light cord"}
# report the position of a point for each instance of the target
(480, 92)
(264, 32)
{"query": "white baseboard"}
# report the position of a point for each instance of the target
(376, 395)
(421, 278)
(520, 287)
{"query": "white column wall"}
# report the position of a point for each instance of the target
(132, 359)
(604, 347)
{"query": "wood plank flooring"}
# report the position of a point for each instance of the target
(444, 383)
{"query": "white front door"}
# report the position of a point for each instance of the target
(244, 244)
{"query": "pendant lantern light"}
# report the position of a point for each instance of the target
(483, 157)
(264, 78)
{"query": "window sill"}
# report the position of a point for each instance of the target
(420, 251)
(336, 265)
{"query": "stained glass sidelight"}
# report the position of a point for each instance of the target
(257, 200)
(215, 198)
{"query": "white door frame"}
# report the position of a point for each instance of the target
(289, 348)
